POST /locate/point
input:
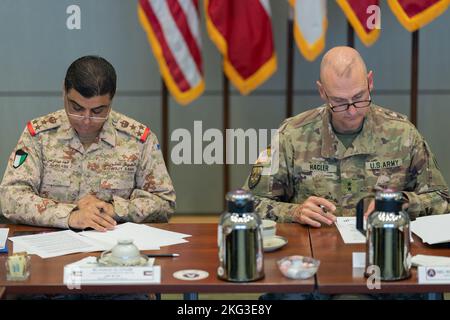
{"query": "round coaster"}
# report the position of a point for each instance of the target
(191, 274)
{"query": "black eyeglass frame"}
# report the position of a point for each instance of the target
(347, 105)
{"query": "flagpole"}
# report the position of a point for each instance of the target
(290, 65)
(350, 35)
(226, 124)
(414, 76)
(165, 122)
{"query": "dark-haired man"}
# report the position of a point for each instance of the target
(86, 165)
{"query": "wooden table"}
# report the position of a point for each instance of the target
(200, 252)
(336, 274)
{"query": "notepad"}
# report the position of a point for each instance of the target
(432, 229)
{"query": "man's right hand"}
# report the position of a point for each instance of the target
(92, 213)
(311, 213)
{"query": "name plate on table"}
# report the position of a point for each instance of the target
(75, 276)
(433, 275)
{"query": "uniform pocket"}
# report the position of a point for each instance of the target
(56, 185)
(56, 178)
(121, 186)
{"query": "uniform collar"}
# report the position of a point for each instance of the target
(333, 148)
(107, 134)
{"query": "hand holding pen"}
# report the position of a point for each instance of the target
(315, 211)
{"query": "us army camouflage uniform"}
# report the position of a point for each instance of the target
(388, 153)
(124, 166)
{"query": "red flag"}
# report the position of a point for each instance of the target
(242, 31)
(364, 17)
(172, 27)
(414, 14)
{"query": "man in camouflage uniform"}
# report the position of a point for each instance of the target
(330, 157)
(87, 166)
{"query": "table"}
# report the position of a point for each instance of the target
(200, 252)
(336, 274)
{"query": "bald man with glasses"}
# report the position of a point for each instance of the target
(87, 166)
(330, 157)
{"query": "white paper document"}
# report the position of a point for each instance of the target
(3, 237)
(358, 259)
(432, 229)
(53, 244)
(423, 260)
(143, 236)
(348, 231)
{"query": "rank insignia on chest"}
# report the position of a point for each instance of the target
(255, 176)
(351, 186)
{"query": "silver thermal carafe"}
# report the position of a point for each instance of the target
(388, 237)
(240, 240)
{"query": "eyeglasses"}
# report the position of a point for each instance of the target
(345, 106)
(94, 119)
(82, 117)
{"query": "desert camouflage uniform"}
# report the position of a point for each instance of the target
(124, 166)
(388, 153)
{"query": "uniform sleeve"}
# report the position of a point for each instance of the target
(153, 199)
(19, 190)
(271, 182)
(426, 191)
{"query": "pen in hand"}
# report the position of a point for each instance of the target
(160, 255)
(324, 210)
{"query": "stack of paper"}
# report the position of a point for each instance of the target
(432, 229)
(430, 261)
(144, 237)
(60, 243)
(53, 244)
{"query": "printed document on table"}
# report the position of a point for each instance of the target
(53, 244)
(348, 231)
(432, 229)
(143, 236)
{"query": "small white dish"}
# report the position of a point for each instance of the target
(124, 253)
(107, 260)
(274, 243)
(298, 267)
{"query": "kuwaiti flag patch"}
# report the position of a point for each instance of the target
(19, 158)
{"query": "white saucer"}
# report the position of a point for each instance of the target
(274, 243)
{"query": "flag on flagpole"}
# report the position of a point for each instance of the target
(414, 14)
(310, 26)
(242, 32)
(363, 15)
(172, 28)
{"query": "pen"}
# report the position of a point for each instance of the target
(169, 255)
